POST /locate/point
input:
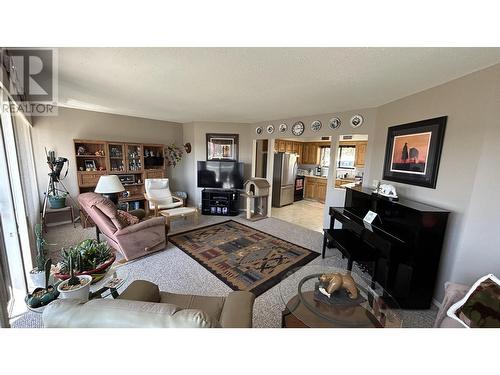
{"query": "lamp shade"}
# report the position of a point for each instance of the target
(109, 184)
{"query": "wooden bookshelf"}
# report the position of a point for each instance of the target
(134, 161)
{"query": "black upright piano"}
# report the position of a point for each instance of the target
(400, 249)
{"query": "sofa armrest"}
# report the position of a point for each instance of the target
(237, 311)
(452, 293)
(141, 290)
(141, 226)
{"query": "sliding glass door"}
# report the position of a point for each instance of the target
(16, 256)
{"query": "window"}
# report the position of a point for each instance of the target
(346, 156)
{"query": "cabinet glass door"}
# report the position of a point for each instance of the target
(134, 158)
(116, 157)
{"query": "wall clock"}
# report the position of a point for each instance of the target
(298, 128)
(334, 123)
(258, 130)
(283, 128)
(316, 126)
(356, 121)
(270, 129)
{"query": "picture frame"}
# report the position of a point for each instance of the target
(413, 152)
(90, 165)
(222, 147)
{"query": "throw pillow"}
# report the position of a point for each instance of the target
(127, 218)
(480, 308)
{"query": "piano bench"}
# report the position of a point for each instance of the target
(351, 246)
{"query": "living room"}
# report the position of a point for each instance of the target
(238, 187)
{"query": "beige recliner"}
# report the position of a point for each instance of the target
(159, 196)
(142, 305)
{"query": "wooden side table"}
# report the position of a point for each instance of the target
(50, 211)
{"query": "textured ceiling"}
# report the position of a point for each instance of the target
(253, 84)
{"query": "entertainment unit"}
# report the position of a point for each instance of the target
(220, 202)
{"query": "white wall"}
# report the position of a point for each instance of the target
(57, 133)
(469, 174)
(469, 162)
(195, 133)
(333, 196)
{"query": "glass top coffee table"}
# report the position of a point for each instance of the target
(109, 285)
(307, 307)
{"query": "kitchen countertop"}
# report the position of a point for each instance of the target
(320, 177)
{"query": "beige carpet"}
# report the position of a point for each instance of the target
(175, 271)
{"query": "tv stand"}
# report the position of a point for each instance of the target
(221, 202)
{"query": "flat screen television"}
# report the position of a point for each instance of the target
(220, 174)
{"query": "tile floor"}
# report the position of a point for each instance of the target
(306, 213)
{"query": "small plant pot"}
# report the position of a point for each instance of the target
(81, 293)
(57, 202)
(38, 278)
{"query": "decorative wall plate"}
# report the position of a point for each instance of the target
(270, 129)
(258, 130)
(334, 123)
(316, 126)
(356, 121)
(283, 127)
(298, 128)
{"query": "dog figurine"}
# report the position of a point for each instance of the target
(335, 281)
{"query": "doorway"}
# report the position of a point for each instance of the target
(309, 160)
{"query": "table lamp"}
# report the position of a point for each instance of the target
(108, 186)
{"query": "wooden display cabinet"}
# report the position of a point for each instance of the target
(133, 162)
(90, 156)
(154, 159)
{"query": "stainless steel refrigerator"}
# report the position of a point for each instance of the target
(284, 173)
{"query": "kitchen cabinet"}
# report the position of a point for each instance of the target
(360, 154)
(279, 145)
(315, 188)
(311, 153)
(300, 151)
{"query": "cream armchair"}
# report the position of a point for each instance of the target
(159, 196)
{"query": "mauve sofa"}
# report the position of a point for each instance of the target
(132, 241)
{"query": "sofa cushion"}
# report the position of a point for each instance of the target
(211, 305)
(121, 313)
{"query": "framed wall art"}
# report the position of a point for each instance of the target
(222, 147)
(413, 152)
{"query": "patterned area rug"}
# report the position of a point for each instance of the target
(242, 257)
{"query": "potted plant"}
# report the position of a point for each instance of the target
(57, 201)
(37, 274)
(75, 287)
(42, 296)
(90, 257)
